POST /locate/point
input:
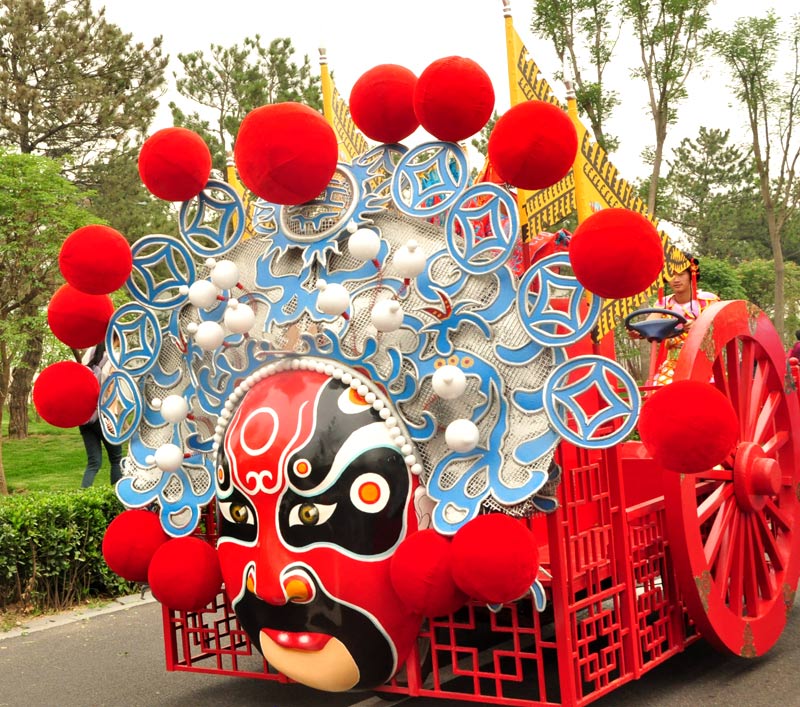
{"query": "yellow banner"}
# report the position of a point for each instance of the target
(351, 142)
(599, 182)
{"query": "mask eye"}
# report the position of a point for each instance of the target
(235, 512)
(370, 493)
(310, 514)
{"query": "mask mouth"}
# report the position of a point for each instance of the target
(298, 640)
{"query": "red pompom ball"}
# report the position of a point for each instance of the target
(454, 98)
(95, 259)
(421, 575)
(184, 574)
(688, 426)
(77, 319)
(382, 103)
(130, 541)
(174, 164)
(533, 145)
(286, 153)
(494, 558)
(616, 253)
(65, 394)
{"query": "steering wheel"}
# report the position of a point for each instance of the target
(656, 329)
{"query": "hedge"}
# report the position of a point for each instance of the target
(50, 548)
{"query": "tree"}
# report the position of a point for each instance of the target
(38, 209)
(234, 80)
(750, 50)
(671, 35)
(710, 193)
(569, 25)
(758, 279)
(73, 87)
(72, 84)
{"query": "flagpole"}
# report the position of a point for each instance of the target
(327, 86)
(582, 203)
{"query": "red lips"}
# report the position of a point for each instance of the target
(301, 641)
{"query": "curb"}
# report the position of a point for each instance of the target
(42, 623)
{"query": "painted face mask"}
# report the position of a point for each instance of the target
(314, 496)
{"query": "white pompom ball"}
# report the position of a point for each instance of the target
(174, 408)
(387, 315)
(333, 298)
(209, 335)
(409, 260)
(364, 244)
(155, 403)
(203, 293)
(169, 457)
(449, 382)
(239, 318)
(225, 274)
(462, 435)
(191, 328)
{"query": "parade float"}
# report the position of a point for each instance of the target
(378, 438)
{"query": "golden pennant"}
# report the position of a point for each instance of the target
(599, 184)
(351, 142)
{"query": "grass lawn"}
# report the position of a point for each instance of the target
(51, 459)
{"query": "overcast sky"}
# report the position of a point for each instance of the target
(359, 34)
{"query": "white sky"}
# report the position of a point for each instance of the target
(359, 34)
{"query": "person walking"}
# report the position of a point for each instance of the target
(96, 358)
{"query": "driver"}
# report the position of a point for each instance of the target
(686, 300)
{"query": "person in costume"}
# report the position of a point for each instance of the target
(687, 301)
(794, 352)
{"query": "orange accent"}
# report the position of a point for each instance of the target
(355, 398)
(297, 589)
(251, 583)
(301, 468)
(369, 492)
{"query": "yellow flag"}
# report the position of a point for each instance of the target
(351, 142)
(594, 183)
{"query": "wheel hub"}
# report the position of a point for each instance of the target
(756, 477)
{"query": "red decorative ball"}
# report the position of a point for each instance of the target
(616, 253)
(65, 394)
(533, 145)
(130, 541)
(382, 103)
(421, 575)
(454, 98)
(95, 259)
(688, 426)
(77, 319)
(174, 164)
(286, 153)
(184, 574)
(495, 558)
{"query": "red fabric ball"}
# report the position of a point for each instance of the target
(65, 394)
(495, 558)
(174, 164)
(77, 319)
(95, 259)
(616, 253)
(533, 145)
(130, 541)
(421, 576)
(454, 98)
(688, 426)
(184, 574)
(286, 153)
(382, 103)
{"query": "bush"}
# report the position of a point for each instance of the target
(50, 548)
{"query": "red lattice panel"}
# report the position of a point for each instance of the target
(612, 613)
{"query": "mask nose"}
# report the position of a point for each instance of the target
(297, 586)
(293, 585)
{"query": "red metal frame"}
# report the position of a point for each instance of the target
(614, 609)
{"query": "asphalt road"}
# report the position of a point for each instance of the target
(118, 659)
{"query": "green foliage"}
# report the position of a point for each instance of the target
(711, 193)
(758, 280)
(571, 26)
(721, 278)
(50, 548)
(70, 82)
(232, 81)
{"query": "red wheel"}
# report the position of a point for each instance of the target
(734, 529)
